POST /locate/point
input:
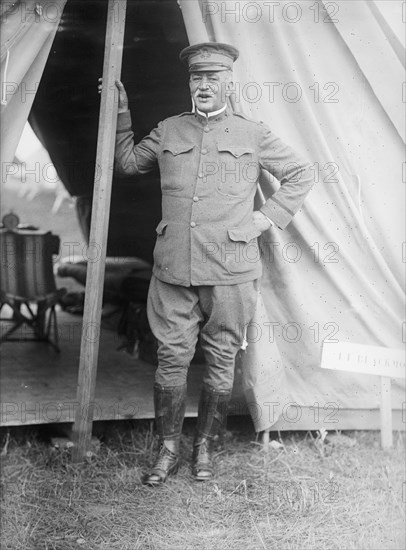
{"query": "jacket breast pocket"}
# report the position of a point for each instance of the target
(237, 170)
(175, 163)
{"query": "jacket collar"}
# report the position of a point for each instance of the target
(215, 116)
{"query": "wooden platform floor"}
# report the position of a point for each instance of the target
(38, 385)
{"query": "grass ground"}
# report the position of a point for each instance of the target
(305, 494)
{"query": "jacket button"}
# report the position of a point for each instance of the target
(200, 175)
(192, 224)
(206, 129)
(195, 199)
(204, 151)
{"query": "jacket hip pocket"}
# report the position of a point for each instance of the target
(241, 252)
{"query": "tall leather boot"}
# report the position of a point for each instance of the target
(212, 416)
(170, 404)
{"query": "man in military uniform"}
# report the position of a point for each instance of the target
(206, 259)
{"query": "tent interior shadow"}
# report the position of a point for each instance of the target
(39, 385)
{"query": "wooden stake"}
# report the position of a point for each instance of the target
(82, 429)
(265, 440)
(386, 413)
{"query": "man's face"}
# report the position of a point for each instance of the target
(208, 89)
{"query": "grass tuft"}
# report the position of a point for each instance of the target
(303, 494)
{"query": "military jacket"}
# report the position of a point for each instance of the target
(209, 172)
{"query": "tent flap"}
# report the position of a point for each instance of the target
(25, 44)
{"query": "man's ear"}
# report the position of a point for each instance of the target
(229, 83)
(229, 87)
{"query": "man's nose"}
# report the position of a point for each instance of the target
(204, 82)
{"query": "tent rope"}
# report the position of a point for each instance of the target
(4, 83)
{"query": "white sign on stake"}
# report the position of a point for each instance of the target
(364, 359)
(384, 362)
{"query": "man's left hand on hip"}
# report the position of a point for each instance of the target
(261, 222)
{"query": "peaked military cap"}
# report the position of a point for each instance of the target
(209, 56)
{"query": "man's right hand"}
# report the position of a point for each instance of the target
(122, 95)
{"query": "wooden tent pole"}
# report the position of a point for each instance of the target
(89, 351)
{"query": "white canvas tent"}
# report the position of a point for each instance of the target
(327, 77)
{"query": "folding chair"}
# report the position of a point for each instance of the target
(27, 284)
